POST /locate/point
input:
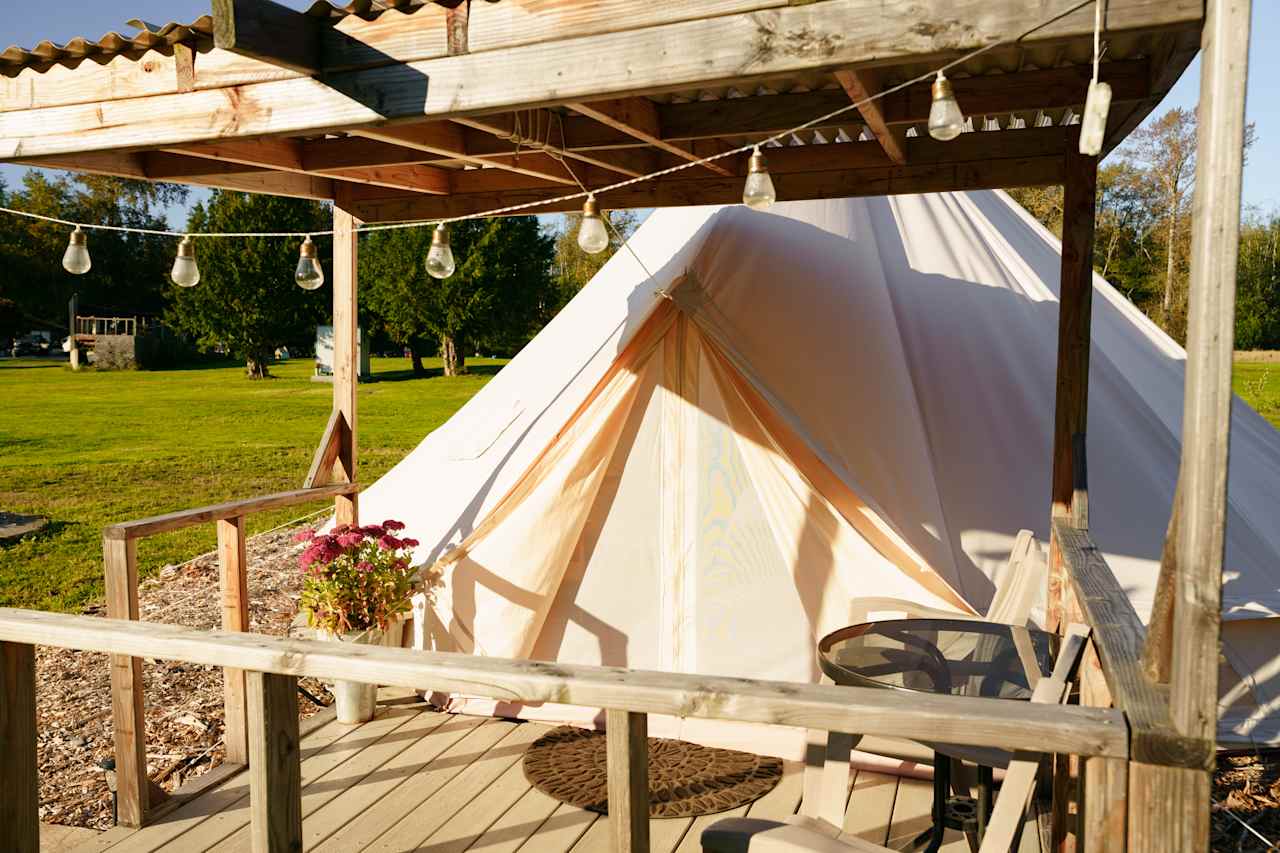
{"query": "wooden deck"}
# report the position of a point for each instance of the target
(416, 779)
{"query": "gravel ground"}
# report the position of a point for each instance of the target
(184, 701)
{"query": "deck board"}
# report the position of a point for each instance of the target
(418, 779)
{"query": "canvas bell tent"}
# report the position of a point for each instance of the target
(750, 420)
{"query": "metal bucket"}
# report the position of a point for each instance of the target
(354, 701)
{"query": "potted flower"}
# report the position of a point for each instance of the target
(356, 589)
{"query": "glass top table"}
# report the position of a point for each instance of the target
(958, 657)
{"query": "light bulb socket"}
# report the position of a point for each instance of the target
(440, 236)
(308, 249)
(757, 163)
(942, 90)
(186, 248)
(591, 207)
(78, 237)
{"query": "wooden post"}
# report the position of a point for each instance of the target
(19, 780)
(346, 348)
(1168, 808)
(1105, 808)
(628, 768)
(234, 583)
(1206, 420)
(120, 559)
(1075, 301)
(275, 768)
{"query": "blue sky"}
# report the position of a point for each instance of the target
(62, 21)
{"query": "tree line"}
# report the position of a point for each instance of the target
(1142, 240)
(513, 273)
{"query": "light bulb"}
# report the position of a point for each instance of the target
(76, 259)
(309, 275)
(1096, 107)
(440, 257)
(758, 192)
(185, 273)
(945, 119)
(593, 236)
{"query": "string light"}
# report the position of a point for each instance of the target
(593, 237)
(440, 257)
(440, 262)
(309, 274)
(185, 272)
(945, 119)
(758, 192)
(76, 259)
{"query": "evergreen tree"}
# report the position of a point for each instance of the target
(247, 299)
(498, 297)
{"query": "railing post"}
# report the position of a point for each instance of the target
(628, 767)
(275, 769)
(19, 782)
(234, 582)
(120, 559)
(346, 347)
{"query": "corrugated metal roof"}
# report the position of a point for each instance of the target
(153, 37)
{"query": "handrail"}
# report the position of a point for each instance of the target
(1118, 635)
(953, 719)
(217, 512)
(120, 561)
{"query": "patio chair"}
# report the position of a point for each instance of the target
(823, 833)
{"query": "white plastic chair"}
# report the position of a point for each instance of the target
(822, 832)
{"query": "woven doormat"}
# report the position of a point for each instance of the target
(685, 779)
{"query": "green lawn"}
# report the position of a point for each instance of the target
(90, 449)
(1259, 384)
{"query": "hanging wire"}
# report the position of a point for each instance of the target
(513, 208)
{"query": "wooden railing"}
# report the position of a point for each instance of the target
(274, 665)
(1125, 804)
(120, 559)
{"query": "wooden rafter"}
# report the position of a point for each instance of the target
(446, 139)
(637, 117)
(859, 86)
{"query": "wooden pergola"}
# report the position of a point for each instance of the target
(405, 110)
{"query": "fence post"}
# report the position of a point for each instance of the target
(120, 559)
(19, 782)
(233, 578)
(275, 769)
(628, 767)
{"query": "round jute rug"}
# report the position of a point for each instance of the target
(685, 779)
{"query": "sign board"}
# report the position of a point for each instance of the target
(324, 352)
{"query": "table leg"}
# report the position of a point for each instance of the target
(931, 839)
(985, 784)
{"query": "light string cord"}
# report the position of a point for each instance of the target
(513, 208)
(1097, 36)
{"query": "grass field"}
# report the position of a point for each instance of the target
(90, 449)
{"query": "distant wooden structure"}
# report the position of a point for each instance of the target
(412, 110)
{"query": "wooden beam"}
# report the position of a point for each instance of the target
(627, 762)
(637, 117)
(1206, 420)
(280, 154)
(729, 49)
(346, 347)
(950, 719)
(144, 527)
(446, 139)
(233, 583)
(351, 152)
(266, 30)
(19, 770)
(1029, 157)
(1105, 808)
(128, 719)
(275, 764)
(328, 452)
(1168, 808)
(859, 86)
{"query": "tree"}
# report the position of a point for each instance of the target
(1258, 284)
(246, 299)
(497, 298)
(128, 269)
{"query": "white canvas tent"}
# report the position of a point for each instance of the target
(750, 419)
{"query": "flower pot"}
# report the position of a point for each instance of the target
(354, 701)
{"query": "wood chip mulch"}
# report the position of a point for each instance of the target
(1249, 787)
(183, 701)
